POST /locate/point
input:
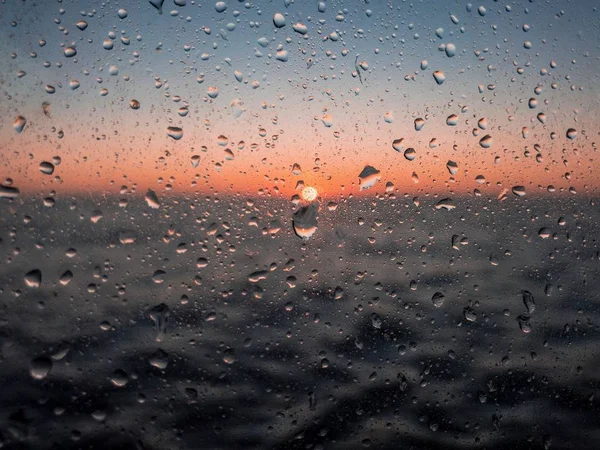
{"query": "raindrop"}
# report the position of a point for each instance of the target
(158, 4)
(438, 299)
(40, 367)
(160, 316)
(544, 233)
(220, 7)
(279, 20)
(452, 120)
(19, 123)
(571, 133)
(119, 378)
(519, 191)
(368, 177)
(70, 52)
(300, 28)
(410, 154)
(419, 124)
(529, 301)
(159, 359)
(47, 168)
(305, 220)
(152, 199)
(397, 144)
(33, 278)
(524, 324)
(439, 77)
(486, 141)
(452, 167)
(175, 132)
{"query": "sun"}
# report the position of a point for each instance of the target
(309, 193)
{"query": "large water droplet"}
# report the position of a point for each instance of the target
(410, 154)
(160, 316)
(159, 359)
(452, 120)
(152, 199)
(368, 177)
(33, 278)
(439, 77)
(19, 123)
(305, 220)
(70, 52)
(279, 20)
(438, 299)
(119, 378)
(40, 367)
(529, 301)
(175, 132)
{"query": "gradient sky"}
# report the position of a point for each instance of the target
(106, 144)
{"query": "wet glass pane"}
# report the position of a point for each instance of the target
(299, 224)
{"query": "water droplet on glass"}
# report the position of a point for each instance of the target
(452, 120)
(300, 28)
(397, 144)
(159, 359)
(452, 167)
(40, 367)
(438, 299)
(305, 220)
(529, 301)
(519, 191)
(66, 278)
(571, 133)
(47, 168)
(33, 278)
(220, 7)
(119, 378)
(19, 123)
(544, 233)
(486, 141)
(175, 132)
(160, 316)
(279, 20)
(368, 177)
(410, 154)
(419, 124)
(439, 77)
(70, 52)
(158, 4)
(152, 199)
(524, 324)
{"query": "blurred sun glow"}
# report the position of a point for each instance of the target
(309, 193)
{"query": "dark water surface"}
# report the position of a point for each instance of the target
(217, 327)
